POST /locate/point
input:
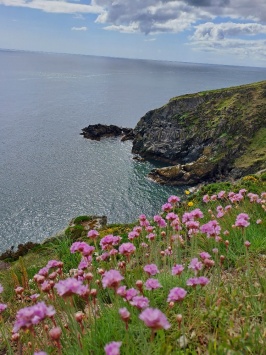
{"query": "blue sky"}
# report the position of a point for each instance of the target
(204, 31)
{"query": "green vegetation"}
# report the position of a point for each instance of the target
(225, 315)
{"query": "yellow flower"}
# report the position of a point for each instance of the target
(190, 204)
(187, 192)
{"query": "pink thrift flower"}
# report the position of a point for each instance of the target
(193, 281)
(82, 247)
(121, 291)
(177, 294)
(177, 269)
(29, 316)
(206, 198)
(144, 245)
(197, 213)
(34, 297)
(131, 293)
(221, 194)
(212, 228)
(132, 235)
(173, 199)
(93, 234)
(247, 244)
(109, 241)
(39, 353)
(44, 271)
(152, 284)
(113, 348)
(2, 307)
(203, 281)
(167, 207)
(205, 255)
(70, 286)
(111, 278)
(140, 302)
(124, 314)
(127, 249)
(154, 319)
(195, 265)
(151, 269)
(151, 236)
(54, 264)
(171, 216)
(1, 288)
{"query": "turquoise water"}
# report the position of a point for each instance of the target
(48, 172)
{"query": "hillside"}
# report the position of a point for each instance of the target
(206, 136)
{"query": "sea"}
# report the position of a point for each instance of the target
(49, 173)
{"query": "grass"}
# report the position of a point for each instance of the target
(227, 316)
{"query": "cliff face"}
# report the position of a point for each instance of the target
(207, 135)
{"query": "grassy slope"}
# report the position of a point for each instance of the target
(226, 316)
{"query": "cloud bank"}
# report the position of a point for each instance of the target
(235, 25)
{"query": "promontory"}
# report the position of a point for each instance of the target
(206, 136)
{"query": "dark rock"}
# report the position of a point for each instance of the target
(98, 131)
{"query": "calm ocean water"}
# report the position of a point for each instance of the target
(48, 172)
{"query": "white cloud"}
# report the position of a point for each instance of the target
(79, 28)
(54, 6)
(213, 31)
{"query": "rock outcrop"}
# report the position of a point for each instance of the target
(98, 131)
(206, 136)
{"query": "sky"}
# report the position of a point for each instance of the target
(230, 32)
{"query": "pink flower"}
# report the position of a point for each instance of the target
(111, 278)
(93, 234)
(70, 286)
(177, 269)
(127, 249)
(206, 198)
(247, 244)
(131, 293)
(109, 241)
(40, 353)
(176, 294)
(193, 281)
(167, 207)
(211, 228)
(113, 348)
(2, 307)
(171, 216)
(152, 284)
(44, 271)
(1, 288)
(140, 302)
(29, 316)
(151, 269)
(82, 247)
(124, 314)
(154, 319)
(132, 235)
(242, 220)
(151, 236)
(54, 263)
(221, 194)
(121, 291)
(34, 297)
(202, 280)
(205, 255)
(195, 265)
(173, 199)
(144, 245)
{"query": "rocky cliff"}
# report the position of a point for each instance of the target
(206, 136)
